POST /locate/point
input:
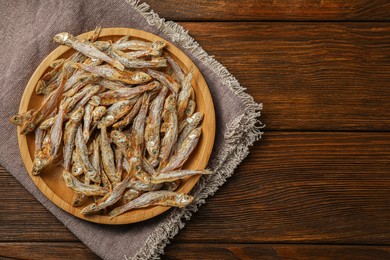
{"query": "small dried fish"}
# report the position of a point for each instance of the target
(161, 198)
(48, 123)
(131, 63)
(105, 71)
(55, 64)
(70, 135)
(184, 151)
(190, 108)
(111, 85)
(46, 108)
(98, 113)
(129, 195)
(176, 175)
(70, 102)
(96, 156)
(87, 119)
(77, 166)
(152, 130)
(171, 132)
(119, 157)
(94, 101)
(20, 119)
(82, 150)
(140, 186)
(80, 75)
(164, 79)
(108, 156)
(172, 186)
(83, 81)
(117, 111)
(175, 67)
(113, 96)
(76, 185)
(108, 199)
(120, 140)
(86, 48)
(184, 96)
(137, 142)
(191, 123)
(49, 77)
(39, 135)
(130, 116)
(87, 98)
(148, 167)
(138, 130)
(113, 52)
(125, 44)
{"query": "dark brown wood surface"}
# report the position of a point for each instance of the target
(318, 183)
(273, 10)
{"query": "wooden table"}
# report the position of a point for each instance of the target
(318, 184)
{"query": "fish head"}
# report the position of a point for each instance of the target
(158, 45)
(98, 112)
(183, 200)
(38, 166)
(195, 133)
(142, 77)
(170, 102)
(27, 128)
(62, 38)
(143, 176)
(17, 119)
(198, 116)
(190, 108)
(77, 169)
(102, 45)
(89, 209)
(94, 101)
(118, 137)
(77, 115)
(138, 172)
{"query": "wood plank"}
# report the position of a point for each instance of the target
(247, 10)
(309, 76)
(295, 187)
(52, 250)
(77, 250)
(256, 251)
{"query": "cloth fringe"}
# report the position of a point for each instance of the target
(242, 133)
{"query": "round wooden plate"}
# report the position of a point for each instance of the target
(50, 182)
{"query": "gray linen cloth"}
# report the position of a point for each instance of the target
(26, 28)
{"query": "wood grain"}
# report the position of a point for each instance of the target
(53, 186)
(270, 10)
(263, 251)
(309, 76)
(303, 188)
(294, 187)
(52, 251)
(62, 250)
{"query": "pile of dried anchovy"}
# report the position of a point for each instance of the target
(120, 116)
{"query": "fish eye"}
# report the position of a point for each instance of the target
(154, 151)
